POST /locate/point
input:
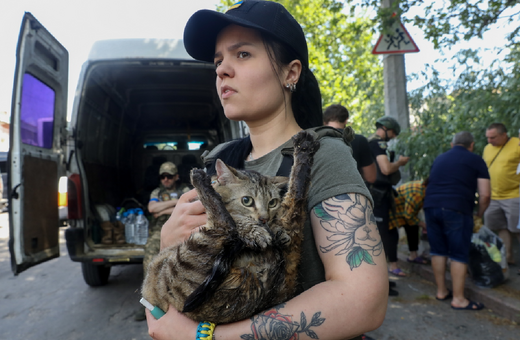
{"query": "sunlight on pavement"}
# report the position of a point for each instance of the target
(4, 225)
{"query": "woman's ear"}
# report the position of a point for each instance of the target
(294, 70)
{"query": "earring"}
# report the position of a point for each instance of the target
(291, 87)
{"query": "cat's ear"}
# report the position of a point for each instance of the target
(280, 181)
(226, 174)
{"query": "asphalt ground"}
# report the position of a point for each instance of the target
(51, 301)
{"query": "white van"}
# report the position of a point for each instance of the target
(138, 103)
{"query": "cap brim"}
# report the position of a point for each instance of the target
(202, 29)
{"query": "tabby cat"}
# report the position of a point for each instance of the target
(245, 259)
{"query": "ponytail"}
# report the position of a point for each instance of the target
(306, 101)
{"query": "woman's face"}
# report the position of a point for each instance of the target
(247, 85)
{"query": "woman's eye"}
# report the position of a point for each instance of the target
(247, 201)
(217, 63)
(243, 55)
(273, 203)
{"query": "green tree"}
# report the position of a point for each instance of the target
(340, 45)
(474, 98)
(447, 22)
(477, 99)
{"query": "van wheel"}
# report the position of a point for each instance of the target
(95, 275)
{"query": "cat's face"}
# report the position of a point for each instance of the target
(249, 196)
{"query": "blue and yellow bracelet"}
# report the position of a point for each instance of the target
(205, 331)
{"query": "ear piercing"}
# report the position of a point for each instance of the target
(291, 87)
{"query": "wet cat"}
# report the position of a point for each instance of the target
(245, 259)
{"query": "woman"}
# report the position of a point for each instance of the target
(263, 78)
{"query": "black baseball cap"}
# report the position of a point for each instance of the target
(202, 29)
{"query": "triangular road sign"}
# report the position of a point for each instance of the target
(398, 42)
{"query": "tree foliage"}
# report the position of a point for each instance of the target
(474, 98)
(340, 45)
(447, 22)
(478, 98)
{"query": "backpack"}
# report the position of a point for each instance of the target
(318, 132)
(235, 153)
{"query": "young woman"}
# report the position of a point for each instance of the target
(263, 79)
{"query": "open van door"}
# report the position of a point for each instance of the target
(37, 136)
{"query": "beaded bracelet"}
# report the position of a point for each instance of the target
(205, 331)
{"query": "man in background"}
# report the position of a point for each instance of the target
(388, 174)
(337, 116)
(455, 176)
(502, 156)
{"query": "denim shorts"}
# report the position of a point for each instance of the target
(449, 233)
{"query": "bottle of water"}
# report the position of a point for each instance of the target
(119, 214)
(129, 222)
(141, 228)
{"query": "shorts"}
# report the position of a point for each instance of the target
(449, 233)
(503, 214)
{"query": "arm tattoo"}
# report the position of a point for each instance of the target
(273, 325)
(350, 222)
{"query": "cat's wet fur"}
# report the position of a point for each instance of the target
(245, 259)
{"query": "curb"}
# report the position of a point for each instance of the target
(502, 304)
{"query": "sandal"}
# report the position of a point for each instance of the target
(471, 306)
(397, 272)
(418, 259)
(447, 297)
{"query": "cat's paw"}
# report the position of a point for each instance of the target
(257, 237)
(304, 142)
(283, 238)
(198, 178)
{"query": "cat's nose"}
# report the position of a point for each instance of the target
(262, 220)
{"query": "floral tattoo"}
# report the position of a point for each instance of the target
(273, 325)
(352, 226)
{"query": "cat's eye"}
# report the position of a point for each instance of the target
(273, 203)
(247, 201)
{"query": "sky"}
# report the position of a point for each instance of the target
(78, 24)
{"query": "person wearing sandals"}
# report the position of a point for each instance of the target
(408, 203)
(455, 176)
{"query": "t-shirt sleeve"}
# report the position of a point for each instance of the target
(154, 196)
(365, 156)
(332, 176)
(375, 147)
(482, 169)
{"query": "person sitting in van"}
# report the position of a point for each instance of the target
(162, 201)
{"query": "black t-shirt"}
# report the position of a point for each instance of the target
(379, 147)
(361, 151)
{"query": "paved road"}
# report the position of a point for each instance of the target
(51, 301)
(416, 315)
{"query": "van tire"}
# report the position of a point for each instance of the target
(95, 275)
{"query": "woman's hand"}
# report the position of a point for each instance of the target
(187, 216)
(173, 325)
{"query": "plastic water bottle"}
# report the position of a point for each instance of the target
(129, 222)
(141, 228)
(119, 214)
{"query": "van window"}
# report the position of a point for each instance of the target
(198, 144)
(37, 112)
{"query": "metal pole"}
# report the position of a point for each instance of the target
(396, 100)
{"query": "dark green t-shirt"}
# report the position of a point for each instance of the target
(334, 172)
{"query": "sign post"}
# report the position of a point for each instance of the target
(392, 44)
